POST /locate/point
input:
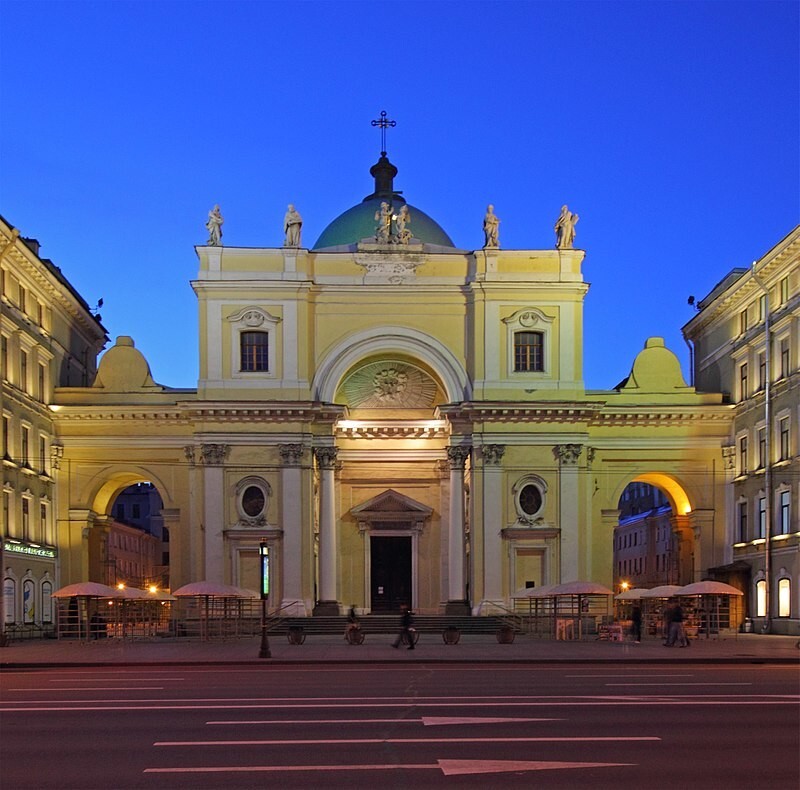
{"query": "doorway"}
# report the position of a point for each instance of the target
(390, 562)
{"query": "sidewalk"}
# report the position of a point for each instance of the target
(744, 649)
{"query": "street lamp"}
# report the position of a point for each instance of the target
(263, 555)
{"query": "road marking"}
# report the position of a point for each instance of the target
(427, 721)
(447, 767)
(340, 741)
(635, 677)
(98, 688)
(97, 679)
(679, 684)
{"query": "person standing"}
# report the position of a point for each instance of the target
(406, 631)
(636, 624)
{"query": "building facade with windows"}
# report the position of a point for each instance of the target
(746, 338)
(397, 419)
(48, 338)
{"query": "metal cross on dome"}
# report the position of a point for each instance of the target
(384, 123)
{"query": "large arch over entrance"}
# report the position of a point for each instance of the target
(393, 340)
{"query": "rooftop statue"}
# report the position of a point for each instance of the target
(292, 227)
(565, 229)
(401, 223)
(214, 227)
(383, 217)
(491, 228)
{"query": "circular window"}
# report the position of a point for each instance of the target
(530, 500)
(253, 501)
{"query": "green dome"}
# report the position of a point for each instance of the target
(359, 223)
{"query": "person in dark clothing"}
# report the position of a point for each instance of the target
(406, 631)
(636, 624)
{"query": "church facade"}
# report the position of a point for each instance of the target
(399, 420)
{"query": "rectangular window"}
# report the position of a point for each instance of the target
(762, 517)
(7, 513)
(25, 457)
(528, 351)
(742, 525)
(23, 371)
(762, 448)
(136, 510)
(254, 351)
(785, 512)
(784, 362)
(742, 322)
(783, 289)
(743, 391)
(44, 532)
(784, 598)
(26, 518)
(23, 298)
(783, 438)
(42, 465)
(41, 382)
(761, 599)
(40, 314)
(6, 440)
(762, 307)
(762, 371)
(742, 455)
(4, 357)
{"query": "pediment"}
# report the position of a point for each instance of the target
(391, 503)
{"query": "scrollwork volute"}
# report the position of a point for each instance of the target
(326, 457)
(493, 454)
(291, 454)
(567, 454)
(457, 457)
(214, 454)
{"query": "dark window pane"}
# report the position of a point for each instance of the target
(253, 501)
(254, 349)
(530, 499)
(528, 351)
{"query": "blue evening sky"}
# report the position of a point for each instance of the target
(671, 128)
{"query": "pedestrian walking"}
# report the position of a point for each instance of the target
(406, 630)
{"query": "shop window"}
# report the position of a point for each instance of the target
(761, 599)
(784, 598)
(9, 600)
(28, 601)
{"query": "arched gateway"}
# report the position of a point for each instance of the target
(401, 421)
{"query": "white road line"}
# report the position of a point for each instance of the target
(99, 678)
(427, 721)
(678, 684)
(447, 767)
(340, 741)
(622, 702)
(97, 688)
(628, 674)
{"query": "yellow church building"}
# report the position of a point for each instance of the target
(401, 421)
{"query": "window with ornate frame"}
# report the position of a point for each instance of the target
(530, 494)
(254, 342)
(741, 521)
(529, 340)
(784, 511)
(784, 598)
(252, 501)
(761, 598)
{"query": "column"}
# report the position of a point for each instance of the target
(456, 598)
(213, 457)
(492, 523)
(292, 523)
(568, 502)
(326, 461)
(171, 520)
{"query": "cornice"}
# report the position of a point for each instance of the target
(661, 416)
(563, 412)
(393, 429)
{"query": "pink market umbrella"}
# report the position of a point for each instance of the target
(87, 590)
(213, 589)
(708, 588)
(664, 591)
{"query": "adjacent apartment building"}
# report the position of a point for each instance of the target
(746, 338)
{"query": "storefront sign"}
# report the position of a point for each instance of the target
(29, 550)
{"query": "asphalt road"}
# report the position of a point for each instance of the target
(486, 726)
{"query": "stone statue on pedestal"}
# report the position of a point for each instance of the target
(491, 228)
(383, 217)
(292, 227)
(214, 227)
(401, 223)
(565, 229)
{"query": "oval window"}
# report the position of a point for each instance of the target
(253, 501)
(530, 500)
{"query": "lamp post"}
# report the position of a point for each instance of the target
(263, 555)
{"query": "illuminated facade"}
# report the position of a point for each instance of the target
(48, 338)
(401, 421)
(746, 338)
